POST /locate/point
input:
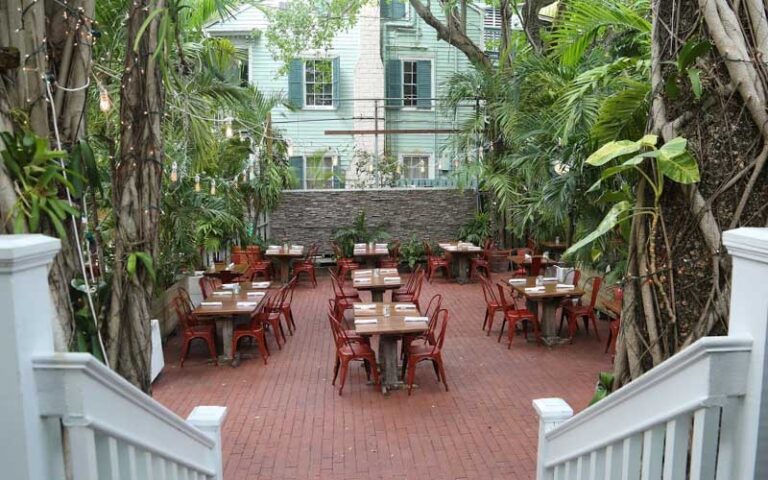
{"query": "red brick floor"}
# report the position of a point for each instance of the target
(286, 421)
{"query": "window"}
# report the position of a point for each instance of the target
(415, 167)
(320, 172)
(410, 85)
(244, 73)
(394, 9)
(318, 83)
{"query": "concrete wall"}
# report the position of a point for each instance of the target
(310, 216)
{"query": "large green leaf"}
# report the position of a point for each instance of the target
(612, 150)
(614, 216)
(682, 168)
(676, 146)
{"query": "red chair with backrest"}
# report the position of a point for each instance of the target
(348, 351)
(426, 351)
(343, 299)
(520, 269)
(257, 266)
(492, 304)
(407, 289)
(192, 329)
(434, 305)
(270, 317)
(615, 324)
(208, 285)
(343, 265)
(237, 256)
(254, 330)
(393, 260)
(307, 265)
(435, 262)
(574, 282)
(413, 296)
(351, 334)
(482, 262)
(282, 306)
(513, 314)
(587, 312)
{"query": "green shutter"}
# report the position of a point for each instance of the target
(296, 83)
(385, 8)
(297, 164)
(336, 77)
(394, 83)
(424, 84)
(398, 9)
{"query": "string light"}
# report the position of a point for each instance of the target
(228, 132)
(213, 187)
(105, 103)
(197, 182)
(174, 172)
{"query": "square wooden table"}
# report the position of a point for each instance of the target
(377, 280)
(461, 251)
(547, 300)
(284, 258)
(389, 329)
(244, 304)
(370, 255)
(223, 272)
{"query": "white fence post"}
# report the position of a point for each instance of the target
(210, 420)
(749, 317)
(552, 412)
(26, 316)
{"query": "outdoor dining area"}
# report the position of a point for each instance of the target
(377, 308)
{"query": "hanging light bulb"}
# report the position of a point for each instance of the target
(213, 187)
(197, 182)
(335, 160)
(370, 167)
(228, 132)
(174, 172)
(105, 103)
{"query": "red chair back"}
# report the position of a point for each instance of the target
(336, 285)
(596, 282)
(440, 326)
(576, 277)
(183, 312)
(488, 293)
(208, 285)
(433, 306)
(417, 286)
(412, 279)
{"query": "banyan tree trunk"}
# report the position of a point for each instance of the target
(678, 284)
(136, 196)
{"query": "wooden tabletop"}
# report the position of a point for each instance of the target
(293, 251)
(521, 260)
(550, 290)
(395, 324)
(551, 245)
(461, 247)
(219, 268)
(231, 304)
(360, 277)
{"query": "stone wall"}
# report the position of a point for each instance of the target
(310, 216)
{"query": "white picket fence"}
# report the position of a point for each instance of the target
(700, 415)
(66, 415)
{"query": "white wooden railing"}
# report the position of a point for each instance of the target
(66, 415)
(700, 415)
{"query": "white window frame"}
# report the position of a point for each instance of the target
(334, 169)
(304, 84)
(431, 79)
(429, 172)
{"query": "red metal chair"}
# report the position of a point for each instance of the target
(192, 329)
(481, 262)
(409, 285)
(237, 256)
(575, 282)
(435, 263)
(343, 265)
(520, 270)
(257, 266)
(426, 351)
(587, 312)
(307, 265)
(348, 351)
(492, 304)
(393, 260)
(270, 317)
(254, 330)
(412, 297)
(282, 306)
(351, 334)
(343, 299)
(208, 285)
(615, 324)
(513, 314)
(433, 307)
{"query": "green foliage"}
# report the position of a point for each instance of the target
(689, 53)
(358, 232)
(131, 264)
(603, 388)
(412, 251)
(38, 179)
(477, 230)
(85, 335)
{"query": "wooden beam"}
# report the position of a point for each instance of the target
(415, 131)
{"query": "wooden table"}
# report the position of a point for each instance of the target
(224, 273)
(370, 255)
(389, 329)
(376, 281)
(224, 315)
(556, 247)
(521, 260)
(284, 258)
(462, 253)
(547, 302)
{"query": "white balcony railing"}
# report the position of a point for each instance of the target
(697, 415)
(66, 415)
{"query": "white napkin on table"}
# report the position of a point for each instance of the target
(227, 286)
(365, 306)
(273, 247)
(255, 294)
(360, 245)
(386, 271)
(211, 304)
(362, 280)
(260, 284)
(391, 279)
(247, 304)
(405, 306)
(549, 279)
(362, 273)
(365, 321)
(229, 292)
(564, 286)
(381, 245)
(416, 319)
(536, 289)
(518, 280)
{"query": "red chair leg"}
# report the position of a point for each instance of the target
(344, 366)
(185, 351)
(411, 374)
(262, 341)
(336, 366)
(511, 334)
(593, 317)
(212, 350)
(442, 371)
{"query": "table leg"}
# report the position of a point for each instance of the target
(547, 312)
(377, 295)
(224, 331)
(284, 264)
(388, 361)
(461, 266)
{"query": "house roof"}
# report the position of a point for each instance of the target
(241, 21)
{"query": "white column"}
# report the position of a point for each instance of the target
(749, 316)
(210, 420)
(26, 316)
(552, 412)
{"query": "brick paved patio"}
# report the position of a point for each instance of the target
(286, 421)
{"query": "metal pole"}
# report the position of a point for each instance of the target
(376, 135)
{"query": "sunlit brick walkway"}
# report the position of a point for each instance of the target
(286, 421)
